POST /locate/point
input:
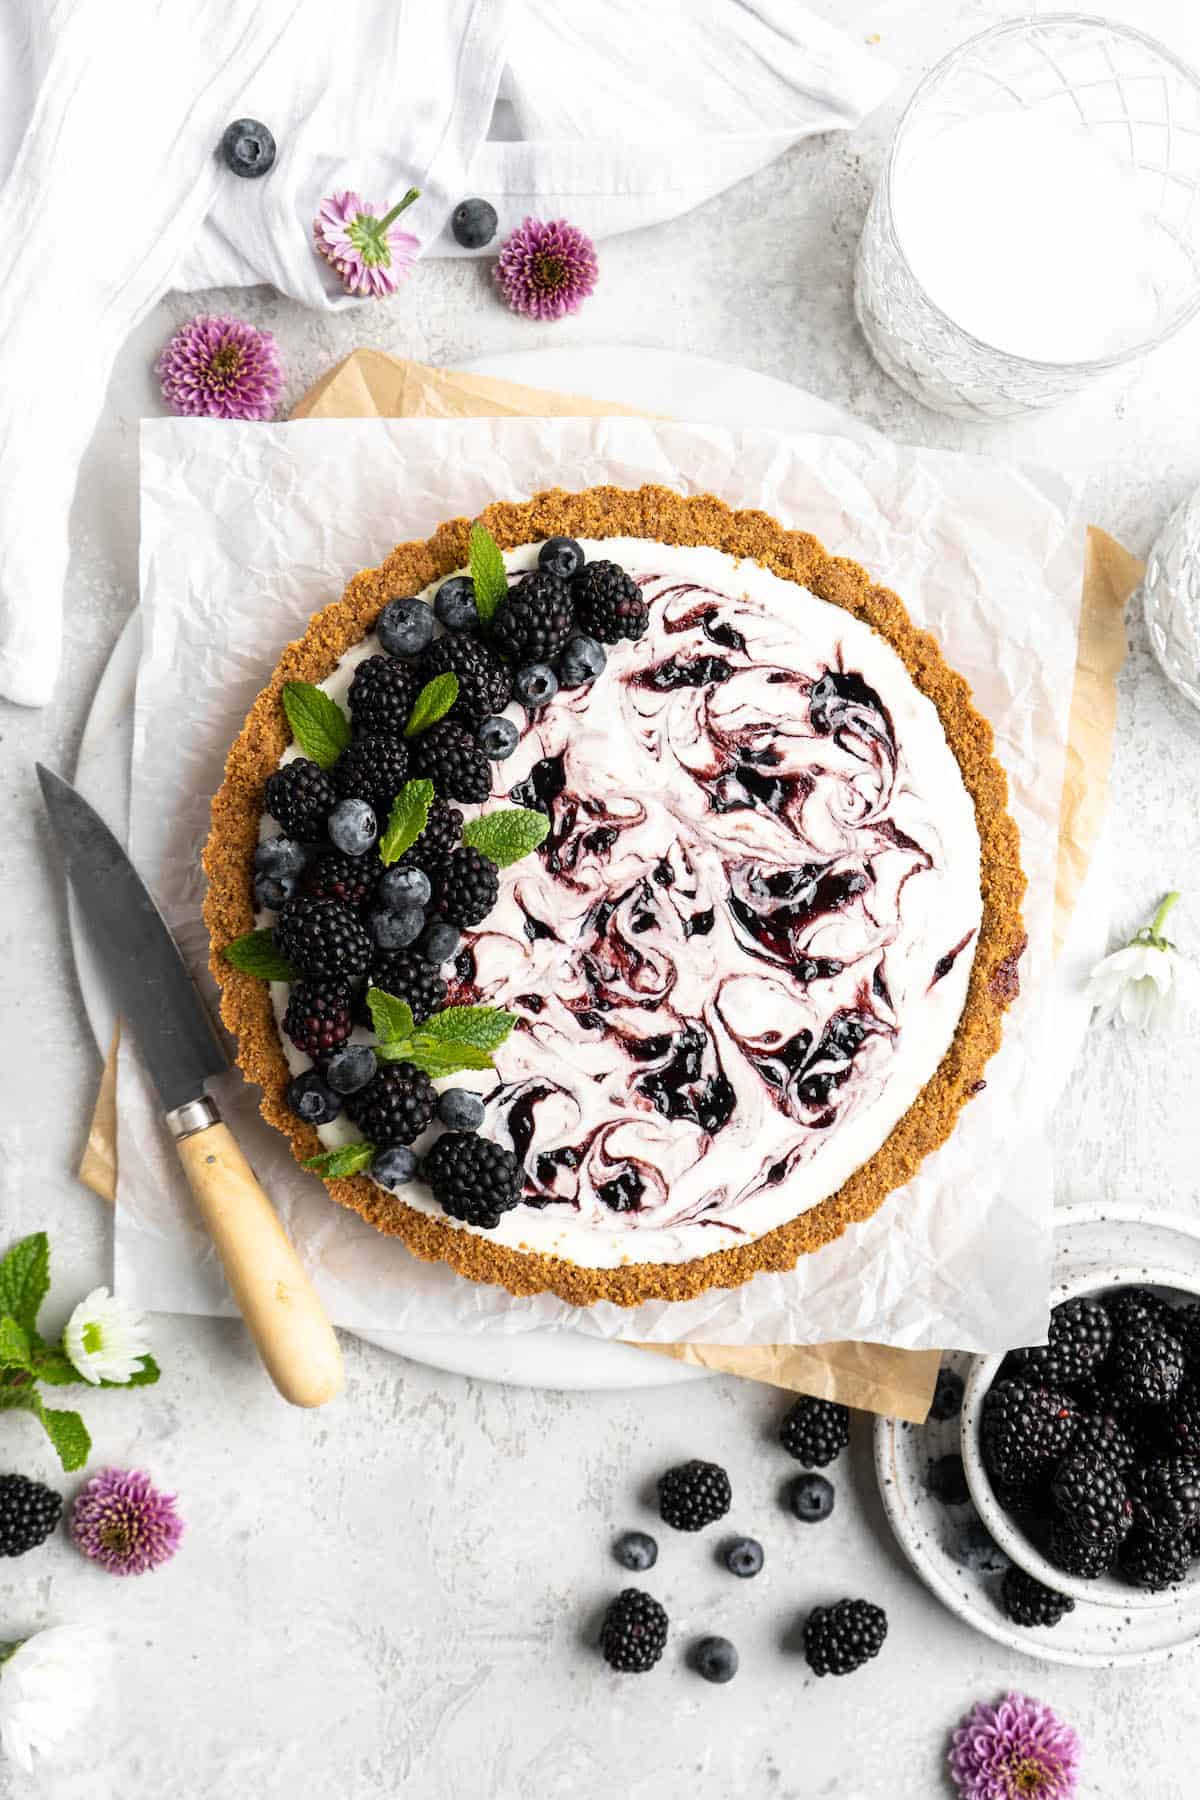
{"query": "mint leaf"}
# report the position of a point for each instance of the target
(319, 725)
(487, 572)
(390, 1018)
(68, 1433)
(508, 835)
(408, 819)
(482, 1027)
(348, 1159)
(19, 1399)
(14, 1345)
(25, 1280)
(434, 1056)
(432, 703)
(256, 954)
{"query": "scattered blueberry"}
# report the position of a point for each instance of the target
(404, 886)
(271, 891)
(581, 661)
(811, 1498)
(636, 1550)
(947, 1396)
(350, 1068)
(562, 556)
(947, 1481)
(474, 223)
(454, 604)
(535, 685)
(248, 148)
(352, 828)
(405, 627)
(744, 1557)
(716, 1659)
(311, 1098)
(438, 942)
(395, 928)
(395, 1167)
(498, 738)
(460, 1110)
(280, 857)
(977, 1550)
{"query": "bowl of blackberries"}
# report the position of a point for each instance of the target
(1083, 1454)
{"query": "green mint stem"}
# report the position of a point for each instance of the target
(390, 217)
(1163, 913)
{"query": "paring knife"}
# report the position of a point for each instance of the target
(160, 1005)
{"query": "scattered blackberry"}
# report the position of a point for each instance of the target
(409, 977)
(1024, 1426)
(300, 796)
(373, 769)
(636, 1550)
(1091, 1497)
(1027, 1602)
(947, 1397)
(1155, 1562)
(318, 1016)
(321, 937)
(465, 887)
(395, 1107)
(448, 756)
(814, 1431)
(1166, 1496)
(472, 1178)
(29, 1512)
(1081, 1336)
(608, 603)
(947, 1481)
(536, 620)
(335, 876)
(635, 1632)
(381, 696)
(484, 683)
(693, 1495)
(1085, 1558)
(841, 1638)
(1183, 1428)
(1146, 1367)
(443, 833)
(1103, 1433)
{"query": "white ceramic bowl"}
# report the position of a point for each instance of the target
(1105, 1590)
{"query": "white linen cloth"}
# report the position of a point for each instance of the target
(615, 113)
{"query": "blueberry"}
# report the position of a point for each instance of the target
(352, 828)
(498, 738)
(395, 928)
(438, 942)
(248, 148)
(272, 891)
(454, 604)
(811, 1498)
(350, 1068)
(393, 1168)
(744, 1557)
(581, 661)
(535, 685)
(403, 886)
(474, 223)
(947, 1396)
(947, 1481)
(460, 1110)
(636, 1550)
(405, 627)
(311, 1098)
(562, 556)
(280, 857)
(715, 1658)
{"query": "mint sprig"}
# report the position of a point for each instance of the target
(458, 1037)
(391, 1018)
(256, 954)
(408, 818)
(432, 703)
(347, 1159)
(319, 725)
(508, 835)
(487, 571)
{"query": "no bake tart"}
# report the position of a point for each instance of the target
(744, 980)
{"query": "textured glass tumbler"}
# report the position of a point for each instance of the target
(1172, 598)
(1144, 106)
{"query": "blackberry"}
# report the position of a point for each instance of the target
(29, 1512)
(1024, 1426)
(841, 1638)
(395, 1107)
(443, 833)
(1105, 1434)
(947, 1397)
(372, 769)
(1134, 1308)
(300, 796)
(448, 756)
(1081, 1336)
(693, 1495)
(536, 620)
(1183, 1428)
(608, 603)
(636, 1550)
(635, 1632)
(1166, 1496)
(318, 1016)
(1085, 1558)
(484, 683)
(1027, 1602)
(335, 876)
(814, 1431)
(1146, 1367)
(407, 976)
(1091, 1497)
(473, 1179)
(322, 937)
(1186, 1326)
(465, 887)
(1154, 1562)
(381, 696)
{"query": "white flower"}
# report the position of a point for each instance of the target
(48, 1684)
(105, 1339)
(1140, 984)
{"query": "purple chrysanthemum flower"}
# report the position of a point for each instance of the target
(370, 256)
(1019, 1750)
(122, 1522)
(218, 367)
(547, 268)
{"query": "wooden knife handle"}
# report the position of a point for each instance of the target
(274, 1295)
